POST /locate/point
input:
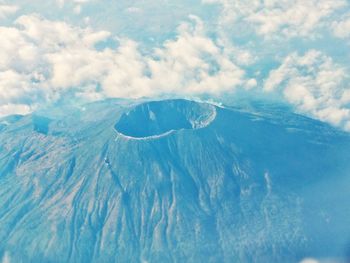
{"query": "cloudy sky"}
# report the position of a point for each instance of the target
(295, 51)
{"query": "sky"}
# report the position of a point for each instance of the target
(295, 52)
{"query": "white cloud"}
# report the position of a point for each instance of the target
(293, 18)
(341, 28)
(76, 5)
(6, 10)
(134, 10)
(8, 109)
(233, 11)
(77, 9)
(193, 63)
(309, 260)
(315, 84)
(287, 18)
(60, 3)
(13, 86)
(50, 57)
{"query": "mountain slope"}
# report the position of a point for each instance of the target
(172, 181)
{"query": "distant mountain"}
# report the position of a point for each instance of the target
(172, 181)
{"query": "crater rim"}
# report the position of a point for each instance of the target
(191, 115)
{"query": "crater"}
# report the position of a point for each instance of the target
(159, 118)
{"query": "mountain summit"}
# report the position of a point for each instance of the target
(172, 181)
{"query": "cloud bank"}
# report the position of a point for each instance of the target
(51, 57)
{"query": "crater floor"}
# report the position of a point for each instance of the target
(162, 117)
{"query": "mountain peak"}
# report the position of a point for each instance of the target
(205, 184)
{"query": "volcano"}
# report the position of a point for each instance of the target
(172, 181)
